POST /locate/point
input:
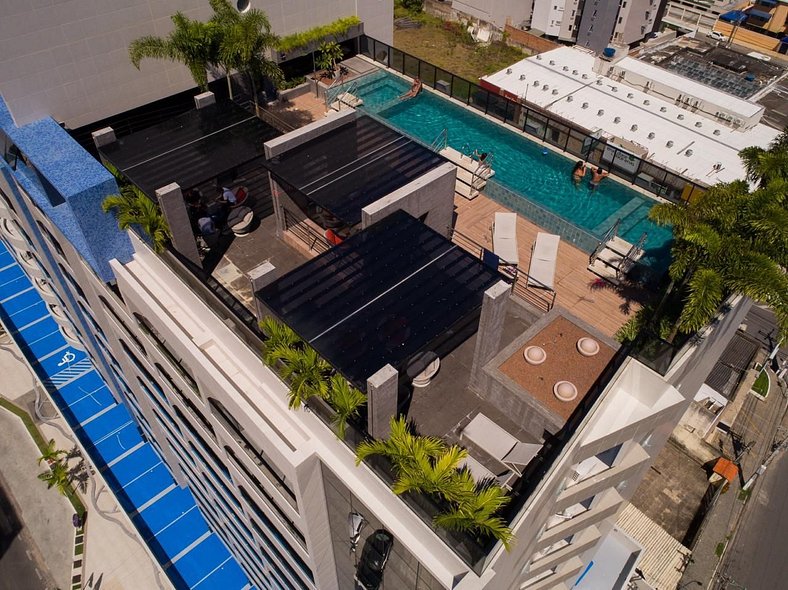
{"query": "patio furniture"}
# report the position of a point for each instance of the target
(544, 255)
(499, 444)
(423, 367)
(505, 237)
(240, 220)
(480, 472)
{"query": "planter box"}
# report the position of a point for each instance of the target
(352, 33)
(299, 90)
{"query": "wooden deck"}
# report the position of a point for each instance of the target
(578, 290)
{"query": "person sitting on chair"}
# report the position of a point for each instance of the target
(414, 89)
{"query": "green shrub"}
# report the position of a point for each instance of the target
(303, 39)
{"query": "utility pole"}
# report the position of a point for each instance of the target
(776, 450)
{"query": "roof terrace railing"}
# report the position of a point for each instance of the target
(544, 126)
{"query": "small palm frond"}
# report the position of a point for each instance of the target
(476, 515)
(703, 300)
(278, 333)
(346, 401)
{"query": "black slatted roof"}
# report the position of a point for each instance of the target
(353, 166)
(734, 361)
(381, 296)
(190, 148)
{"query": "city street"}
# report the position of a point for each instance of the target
(757, 558)
(22, 566)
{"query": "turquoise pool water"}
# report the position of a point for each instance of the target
(520, 164)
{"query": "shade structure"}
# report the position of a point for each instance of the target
(759, 14)
(190, 149)
(351, 167)
(383, 296)
(734, 16)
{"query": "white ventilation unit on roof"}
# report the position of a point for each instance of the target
(737, 121)
(600, 112)
(570, 98)
(680, 117)
(633, 128)
(616, 119)
(698, 124)
(546, 87)
(716, 132)
(508, 70)
(522, 76)
(614, 88)
(695, 103)
(552, 62)
(565, 68)
(536, 82)
(669, 143)
(651, 135)
(599, 82)
(555, 91)
(688, 153)
(574, 72)
(630, 95)
(539, 57)
(585, 105)
(663, 109)
(647, 102)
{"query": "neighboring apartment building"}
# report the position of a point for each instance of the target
(589, 23)
(277, 484)
(69, 60)
(691, 15)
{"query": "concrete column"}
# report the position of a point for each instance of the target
(279, 215)
(103, 137)
(382, 389)
(205, 99)
(490, 332)
(174, 209)
(261, 276)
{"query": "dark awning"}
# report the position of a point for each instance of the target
(732, 364)
(381, 297)
(191, 148)
(767, 2)
(352, 167)
(734, 16)
(761, 14)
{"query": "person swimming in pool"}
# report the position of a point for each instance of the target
(414, 89)
(597, 177)
(579, 172)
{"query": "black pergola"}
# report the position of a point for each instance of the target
(383, 296)
(351, 167)
(190, 149)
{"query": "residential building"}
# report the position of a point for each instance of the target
(694, 15)
(388, 300)
(70, 60)
(591, 23)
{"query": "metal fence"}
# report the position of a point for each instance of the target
(537, 123)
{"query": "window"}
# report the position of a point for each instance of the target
(120, 321)
(161, 344)
(52, 239)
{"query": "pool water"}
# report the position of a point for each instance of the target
(521, 165)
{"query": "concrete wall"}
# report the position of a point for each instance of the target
(70, 59)
(529, 41)
(597, 24)
(547, 16)
(432, 195)
(637, 19)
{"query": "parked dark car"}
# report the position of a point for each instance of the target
(374, 555)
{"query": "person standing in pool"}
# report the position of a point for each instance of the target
(597, 177)
(579, 172)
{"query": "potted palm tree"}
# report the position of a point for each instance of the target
(346, 401)
(132, 207)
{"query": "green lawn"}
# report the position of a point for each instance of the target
(449, 47)
(761, 385)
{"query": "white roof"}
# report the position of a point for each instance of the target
(606, 99)
(691, 87)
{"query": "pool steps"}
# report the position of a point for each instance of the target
(614, 257)
(472, 176)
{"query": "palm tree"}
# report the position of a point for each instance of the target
(51, 453)
(280, 339)
(476, 514)
(328, 55)
(79, 474)
(346, 401)
(306, 373)
(729, 240)
(57, 476)
(132, 207)
(244, 42)
(193, 43)
(765, 165)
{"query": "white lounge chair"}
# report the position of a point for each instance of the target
(544, 255)
(505, 238)
(499, 444)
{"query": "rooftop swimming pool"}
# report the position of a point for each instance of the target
(539, 181)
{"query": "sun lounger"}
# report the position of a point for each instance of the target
(544, 255)
(505, 237)
(499, 444)
(481, 473)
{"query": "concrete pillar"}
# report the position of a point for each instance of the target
(382, 390)
(490, 332)
(261, 276)
(174, 209)
(279, 215)
(103, 137)
(205, 99)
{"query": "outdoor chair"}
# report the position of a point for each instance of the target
(505, 238)
(499, 444)
(544, 256)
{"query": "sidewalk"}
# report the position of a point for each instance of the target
(756, 423)
(114, 553)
